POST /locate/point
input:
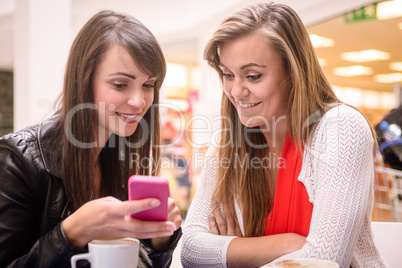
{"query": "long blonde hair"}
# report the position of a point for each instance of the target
(308, 90)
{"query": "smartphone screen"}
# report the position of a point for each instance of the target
(140, 187)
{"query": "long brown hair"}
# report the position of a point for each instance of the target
(308, 90)
(79, 115)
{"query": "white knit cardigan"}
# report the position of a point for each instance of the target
(338, 174)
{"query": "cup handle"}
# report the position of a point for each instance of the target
(83, 256)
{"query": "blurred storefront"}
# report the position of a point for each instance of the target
(179, 95)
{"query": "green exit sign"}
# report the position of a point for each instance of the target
(364, 13)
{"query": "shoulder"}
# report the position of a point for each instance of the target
(341, 143)
(343, 123)
(22, 153)
(18, 156)
(344, 112)
(341, 132)
(23, 143)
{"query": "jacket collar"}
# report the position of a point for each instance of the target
(50, 144)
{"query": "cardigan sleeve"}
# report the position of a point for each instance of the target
(338, 175)
(200, 248)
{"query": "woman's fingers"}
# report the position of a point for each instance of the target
(212, 225)
(129, 227)
(134, 206)
(220, 221)
(231, 225)
(221, 225)
(150, 229)
(235, 228)
(131, 207)
(139, 235)
(150, 226)
(174, 213)
(109, 218)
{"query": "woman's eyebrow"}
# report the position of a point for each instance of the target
(252, 65)
(246, 66)
(124, 74)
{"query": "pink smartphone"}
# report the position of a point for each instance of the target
(140, 187)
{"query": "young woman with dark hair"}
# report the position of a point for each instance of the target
(64, 181)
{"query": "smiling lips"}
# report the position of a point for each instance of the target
(246, 105)
(128, 118)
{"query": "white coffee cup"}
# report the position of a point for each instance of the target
(119, 253)
(305, 263)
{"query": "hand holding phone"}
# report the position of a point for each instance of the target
(140, 187)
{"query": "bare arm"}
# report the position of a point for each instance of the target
(256, 251)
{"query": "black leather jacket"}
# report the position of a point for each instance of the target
(33, 203)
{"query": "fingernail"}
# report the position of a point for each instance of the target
(169, 228)
(155, 203)
(167, 233)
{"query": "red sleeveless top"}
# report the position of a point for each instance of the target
(292, 210)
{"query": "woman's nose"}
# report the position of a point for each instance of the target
(239, 89)
(136, 98)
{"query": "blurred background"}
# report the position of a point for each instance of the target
(358, 44)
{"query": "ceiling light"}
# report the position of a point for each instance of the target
(388, 78)
(389, 9)
(397, 66)
(319, 41)
(352, 71)
(365, 55)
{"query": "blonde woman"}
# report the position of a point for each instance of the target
(292, 175)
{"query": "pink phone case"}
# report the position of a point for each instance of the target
(140, 187)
